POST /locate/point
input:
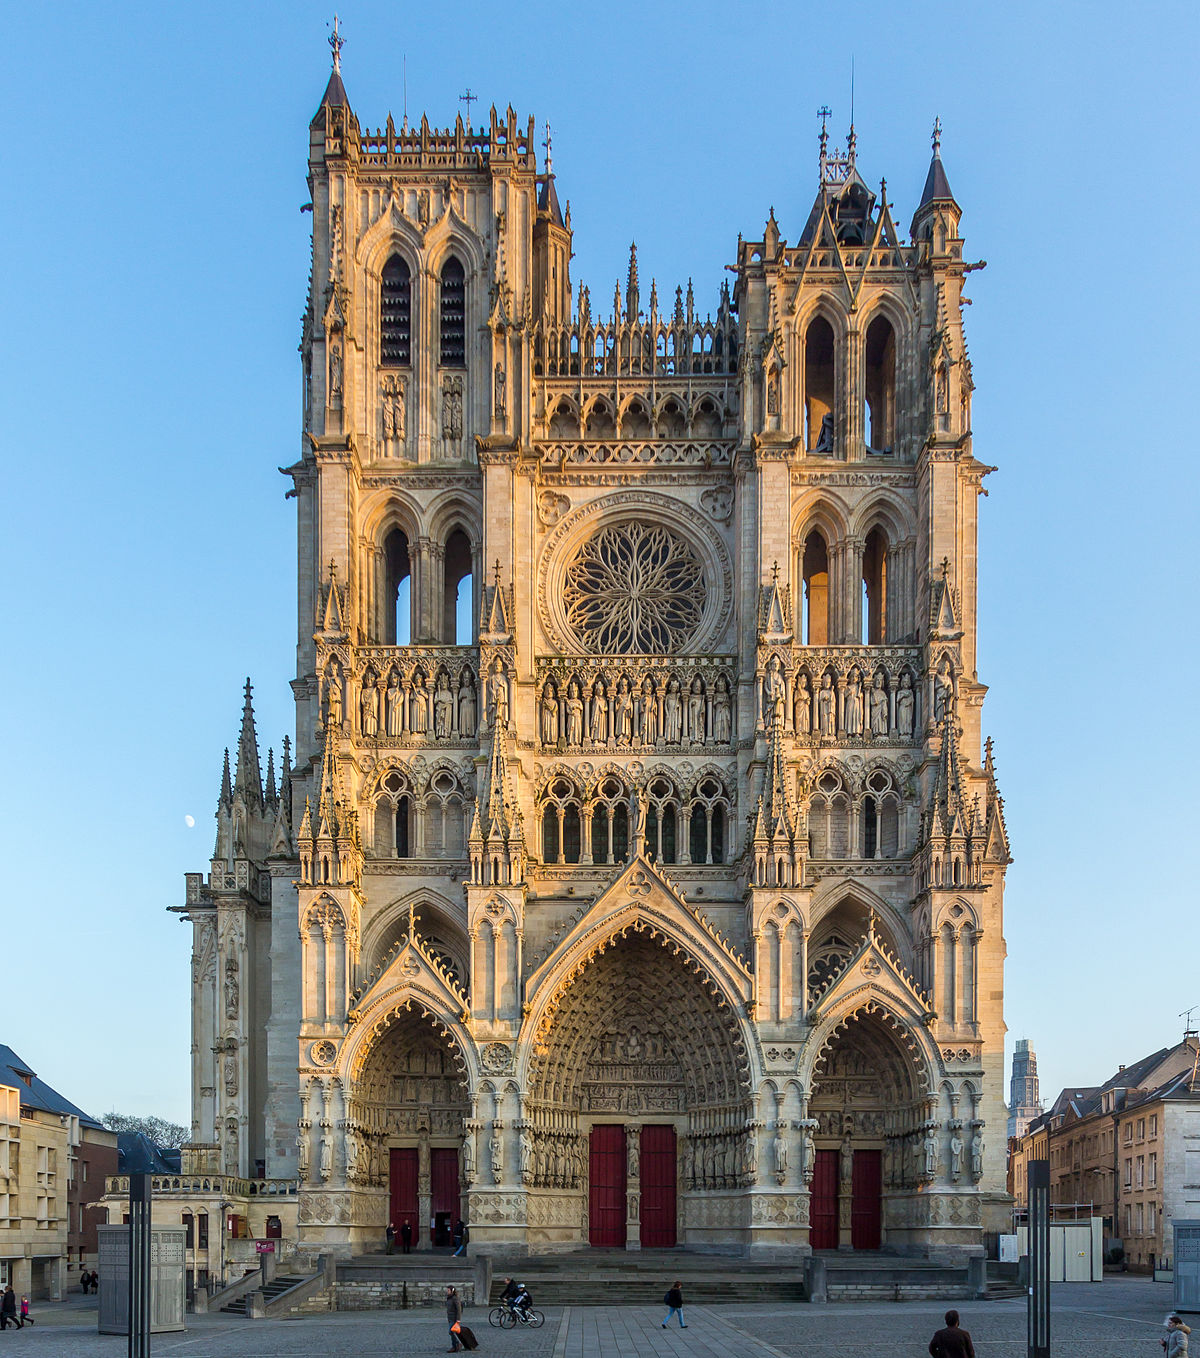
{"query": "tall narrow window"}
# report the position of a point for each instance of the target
(402, 817)
(453, 315)
(880, 386)
(818, 387)
(397, 597)
(457, 611)
(815, 571)
(395, 315)
(874, 574)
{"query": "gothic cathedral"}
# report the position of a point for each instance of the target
(638, 880)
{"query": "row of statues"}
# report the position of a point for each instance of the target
(855, 709)
(625, 715)
(399, 707)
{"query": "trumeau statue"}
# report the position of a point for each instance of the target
(468, 417)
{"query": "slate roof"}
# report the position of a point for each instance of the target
(37, 1093)
(937, 186)
(137, 1154)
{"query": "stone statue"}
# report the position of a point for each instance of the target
(232, 990)
(598, 729)
(466, 707)
(802, 707)
(302, 1153)
(333, 699)
(326, 1159)
(499, 394)
(231, 1078)
(879, 707)
(977, 1154)
(774, 690)
(930, 1150)
(637, 821)
(351, 1156)
(854, 704)
(550, 714)
(672, 714)
(452, 407)
(810, 1155)
(649, 731)
(395, 407)
(956, 1153)
(467, 1158)
(633, 1152)
(751, 1156)
(846, 1162)
(395, 707)
(905, 706)
(335, 369)
(574, 706)
(370, 708)
(780, 1152)
(419, 717)
(826, 706)
(943, 692)
(722, 720)
(526, 1159)
(499, 696)
(623, 715)
(443, 707)
(696, 713)
(496, 1148)
(389, 420)
(824, 442)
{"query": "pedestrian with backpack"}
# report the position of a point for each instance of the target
(674, 1304)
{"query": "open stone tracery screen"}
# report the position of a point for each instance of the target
(634, 588)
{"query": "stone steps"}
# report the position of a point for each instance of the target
(240, 1305)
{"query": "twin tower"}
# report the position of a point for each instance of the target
(638, 879)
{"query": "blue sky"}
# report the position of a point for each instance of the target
(157, 259)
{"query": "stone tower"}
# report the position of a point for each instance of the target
(647, 872)
(1024, 1096)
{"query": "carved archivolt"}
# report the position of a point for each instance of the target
(666, 575)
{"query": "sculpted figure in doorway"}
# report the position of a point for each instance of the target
(722, 720)
(370, 707)
(395, 709)
(443, 706)
(930, 1151)
(780, 1151)
(826, 706)
(599, 716)
(623, 714)
(905, 705)
(854, 704)
(879, 707)
(977, 1154)
(957, 1147)
(419, 716)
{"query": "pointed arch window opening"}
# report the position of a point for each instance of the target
(874, 629)
(819, 387)
(815, 600)
(880, 386)
(458, 610)
(453, 315)
(395, 315)
(397, 594)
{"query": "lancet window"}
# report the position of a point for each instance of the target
(818, 387)
(662, 821)
(453, 315)
(561, 822)
(816, 600)
(880, 829)
(880, 386)
(457, 609)
(707, 814)
(874, 588)
(829, 818)
(397, 590)
(395, 315)
(610, 822)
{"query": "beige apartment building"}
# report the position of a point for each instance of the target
(53, 1159)
(1127, 1151)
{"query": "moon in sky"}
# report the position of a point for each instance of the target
(189, 821)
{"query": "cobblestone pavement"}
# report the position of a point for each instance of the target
(1119, 1318)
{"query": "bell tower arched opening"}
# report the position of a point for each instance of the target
(818, 387)
(397, 594)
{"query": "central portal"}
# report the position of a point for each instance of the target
(623, 1161)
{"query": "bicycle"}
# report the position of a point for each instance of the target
(506, 1317)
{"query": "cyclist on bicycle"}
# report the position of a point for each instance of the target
(509, 1295)
(523, 1301)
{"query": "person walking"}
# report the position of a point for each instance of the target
(27, 1319)
(453, 1318)
(953, 1341)
(460, 1237)
(8, 1309)
(390, 1237)
(1176, 1342)
(674, 1304)
(406, 1236)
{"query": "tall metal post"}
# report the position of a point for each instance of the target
(1039, 1259)
(139, 1265)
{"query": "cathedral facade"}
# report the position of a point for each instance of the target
(638, 877)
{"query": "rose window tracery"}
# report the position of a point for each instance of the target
(634, 588)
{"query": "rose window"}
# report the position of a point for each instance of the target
(634, 588)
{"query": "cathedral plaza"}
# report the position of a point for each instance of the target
(1110, 1320)
(635, 877)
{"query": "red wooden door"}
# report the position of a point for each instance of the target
(404, 1190)
(823, 1207)
(866, 1200)
(443, 1181)
(606, 1186)
(658, 1187)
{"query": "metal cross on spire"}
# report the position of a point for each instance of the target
(336, 43)
(937, 136)
(546, 144)
(468, 98)
(824, 113)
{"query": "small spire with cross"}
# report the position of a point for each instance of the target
(549, 153)
(824, 113)
(468, 98)
(336, 43)
(937, 136)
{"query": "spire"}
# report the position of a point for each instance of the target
(937, 192)
(248, 776)
(271, 795)
(631, 285)
(226, 798)
(329, 801)
(335, 91)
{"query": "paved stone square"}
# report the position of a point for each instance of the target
(1119, 1318)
